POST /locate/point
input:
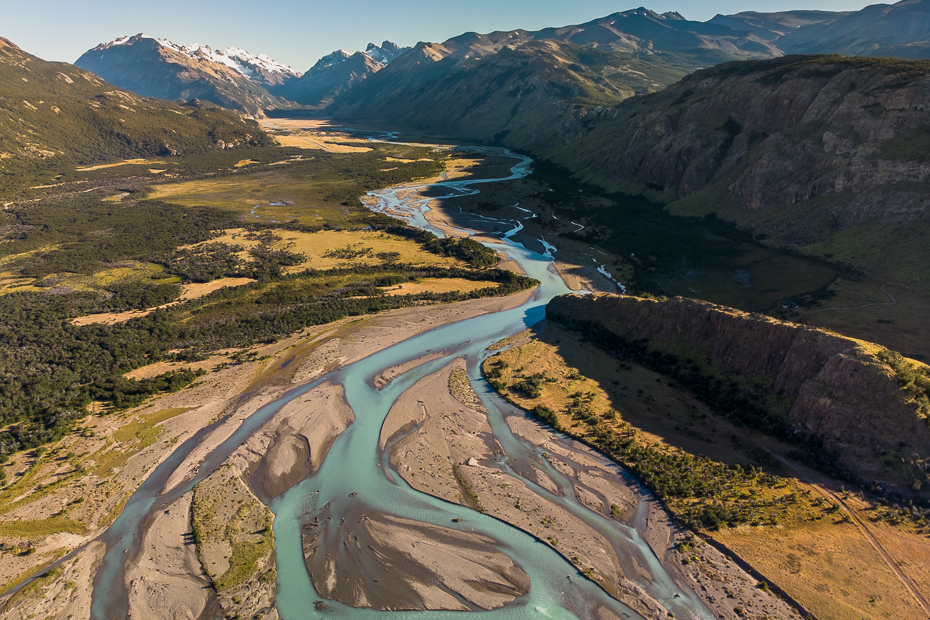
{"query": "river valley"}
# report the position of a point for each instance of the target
(399, 481)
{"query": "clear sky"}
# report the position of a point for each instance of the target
(298, 32)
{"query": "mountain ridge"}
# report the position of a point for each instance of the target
(58, 113)
(154, 67)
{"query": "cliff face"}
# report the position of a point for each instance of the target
(779, 132)
(811, 151)
(833, 388)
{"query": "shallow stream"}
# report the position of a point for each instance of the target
(354, 465)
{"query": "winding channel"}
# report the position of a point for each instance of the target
(355, 464)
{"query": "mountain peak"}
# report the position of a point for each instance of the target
(254, 66)
(384, 54)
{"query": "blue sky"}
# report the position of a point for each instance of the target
(298, 32)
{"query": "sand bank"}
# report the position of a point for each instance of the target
(374, 560)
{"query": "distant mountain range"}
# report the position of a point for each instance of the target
(336, 73)
(631, 52)
(232, 78)
(750, 141)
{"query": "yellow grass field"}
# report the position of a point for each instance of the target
(829, 567)
(322, 249)
(188, 292)
(124, 273)
(438, 285)
(270, 195)
(125, 162)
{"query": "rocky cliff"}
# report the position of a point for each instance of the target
(834, 389)
(824, 153)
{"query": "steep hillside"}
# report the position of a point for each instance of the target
(901, 30)
(53, 113)
(520, 87)
(826, 155)
(336, 73)
(151, 67)
(773, 26)
(788, 380)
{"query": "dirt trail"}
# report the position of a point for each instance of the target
(893, 301)
(864, 529)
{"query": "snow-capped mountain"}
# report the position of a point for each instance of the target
(384, 54)
(331, 60)
(257, 67)
(233, 77)
(338, 72)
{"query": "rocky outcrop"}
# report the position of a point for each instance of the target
(808, 151)
(835, 389)
(778, 132)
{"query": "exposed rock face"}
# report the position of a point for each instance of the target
(778, 132)
(810, 151)
(333, 75)
(151, 67)
(835, 388)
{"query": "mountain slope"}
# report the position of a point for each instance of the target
(824, 154)
(773, 26)
(519, 87)
(336, 73)
(54, 113)
(152, 67)
(901, 30)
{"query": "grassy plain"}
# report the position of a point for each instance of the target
(334, 249)
(829, 567)
(893, 315)
(307, 191)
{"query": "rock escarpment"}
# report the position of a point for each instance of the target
(834, 389)
(824, 153)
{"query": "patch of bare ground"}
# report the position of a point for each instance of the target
(63, 594)
(439, 440)
(293, 444)
(166, 579)
(377, 561)
(397, 370)
(439, 285)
